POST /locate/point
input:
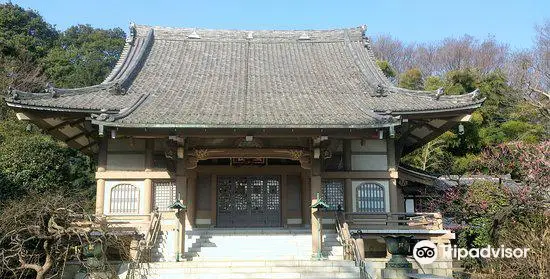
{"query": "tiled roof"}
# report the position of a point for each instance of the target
(177, 77)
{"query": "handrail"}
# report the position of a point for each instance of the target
(145, 246)
(351, 250)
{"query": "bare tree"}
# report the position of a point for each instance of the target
(398, 54)
(490, 55)
(40, 233)
(437, 58)
(529, 72)
(539, 84)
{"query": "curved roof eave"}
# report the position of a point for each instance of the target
(468, 107)
(116, 83)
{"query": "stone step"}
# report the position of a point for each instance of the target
(240, 249)
(292, 275)
(252, 269)
(255, 262)
(243, 244)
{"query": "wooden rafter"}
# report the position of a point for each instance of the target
(65, 123)
(92, 143)
(81, 134)
(436, 132)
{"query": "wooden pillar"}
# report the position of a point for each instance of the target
(213, 198)
(392, 168)
(394, 201)
(191, 198)
(149, 150)
(284, 201)
(181, 190)
(100, 183)
(102, 155)
(348, 195)
(100, 197)
(347, 154)
(148, 196)
(306, 198)
(316, 226)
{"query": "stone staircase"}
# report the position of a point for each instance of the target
(251, 269)
(249, 253)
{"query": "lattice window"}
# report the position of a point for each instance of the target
(124, 199)
(273, 198)
(333, 193)
(370, 198)
(164, 195)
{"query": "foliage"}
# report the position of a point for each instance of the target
(33, 52)
(528, 231)
(461, 81)
(499, 120)
(83, 56)
(386, 68)
(24, 38)
(510, 215)
(24, 33)
(431, 157)
(528, 162)
(433, 83)
(32, 162)
(411, 79)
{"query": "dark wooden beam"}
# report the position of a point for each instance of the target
(81, 134)
(66, 123)
(92, 143)
(241, 132)
(436, 132)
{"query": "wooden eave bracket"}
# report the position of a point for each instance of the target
(196, 155)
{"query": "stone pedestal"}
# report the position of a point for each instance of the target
(134, 247)
(397, 273)
(398, 247)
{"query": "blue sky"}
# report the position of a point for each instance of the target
(509, 21)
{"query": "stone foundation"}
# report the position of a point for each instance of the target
(374, 267)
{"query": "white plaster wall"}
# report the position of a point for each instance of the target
(369, 162)
(409, 205)
(203, 221)
(110, 184)
(126, 162)
(384, 183)
(126, 144)
(370, 145)
(294, 221)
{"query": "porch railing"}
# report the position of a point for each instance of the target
(346, 221)
(393, 221)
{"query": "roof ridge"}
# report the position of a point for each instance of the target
(131, 59)
(372, 61)
(246, 30)
(207, 34)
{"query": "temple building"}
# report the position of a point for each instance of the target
(246, 128)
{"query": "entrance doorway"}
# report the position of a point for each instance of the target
(248, 201)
